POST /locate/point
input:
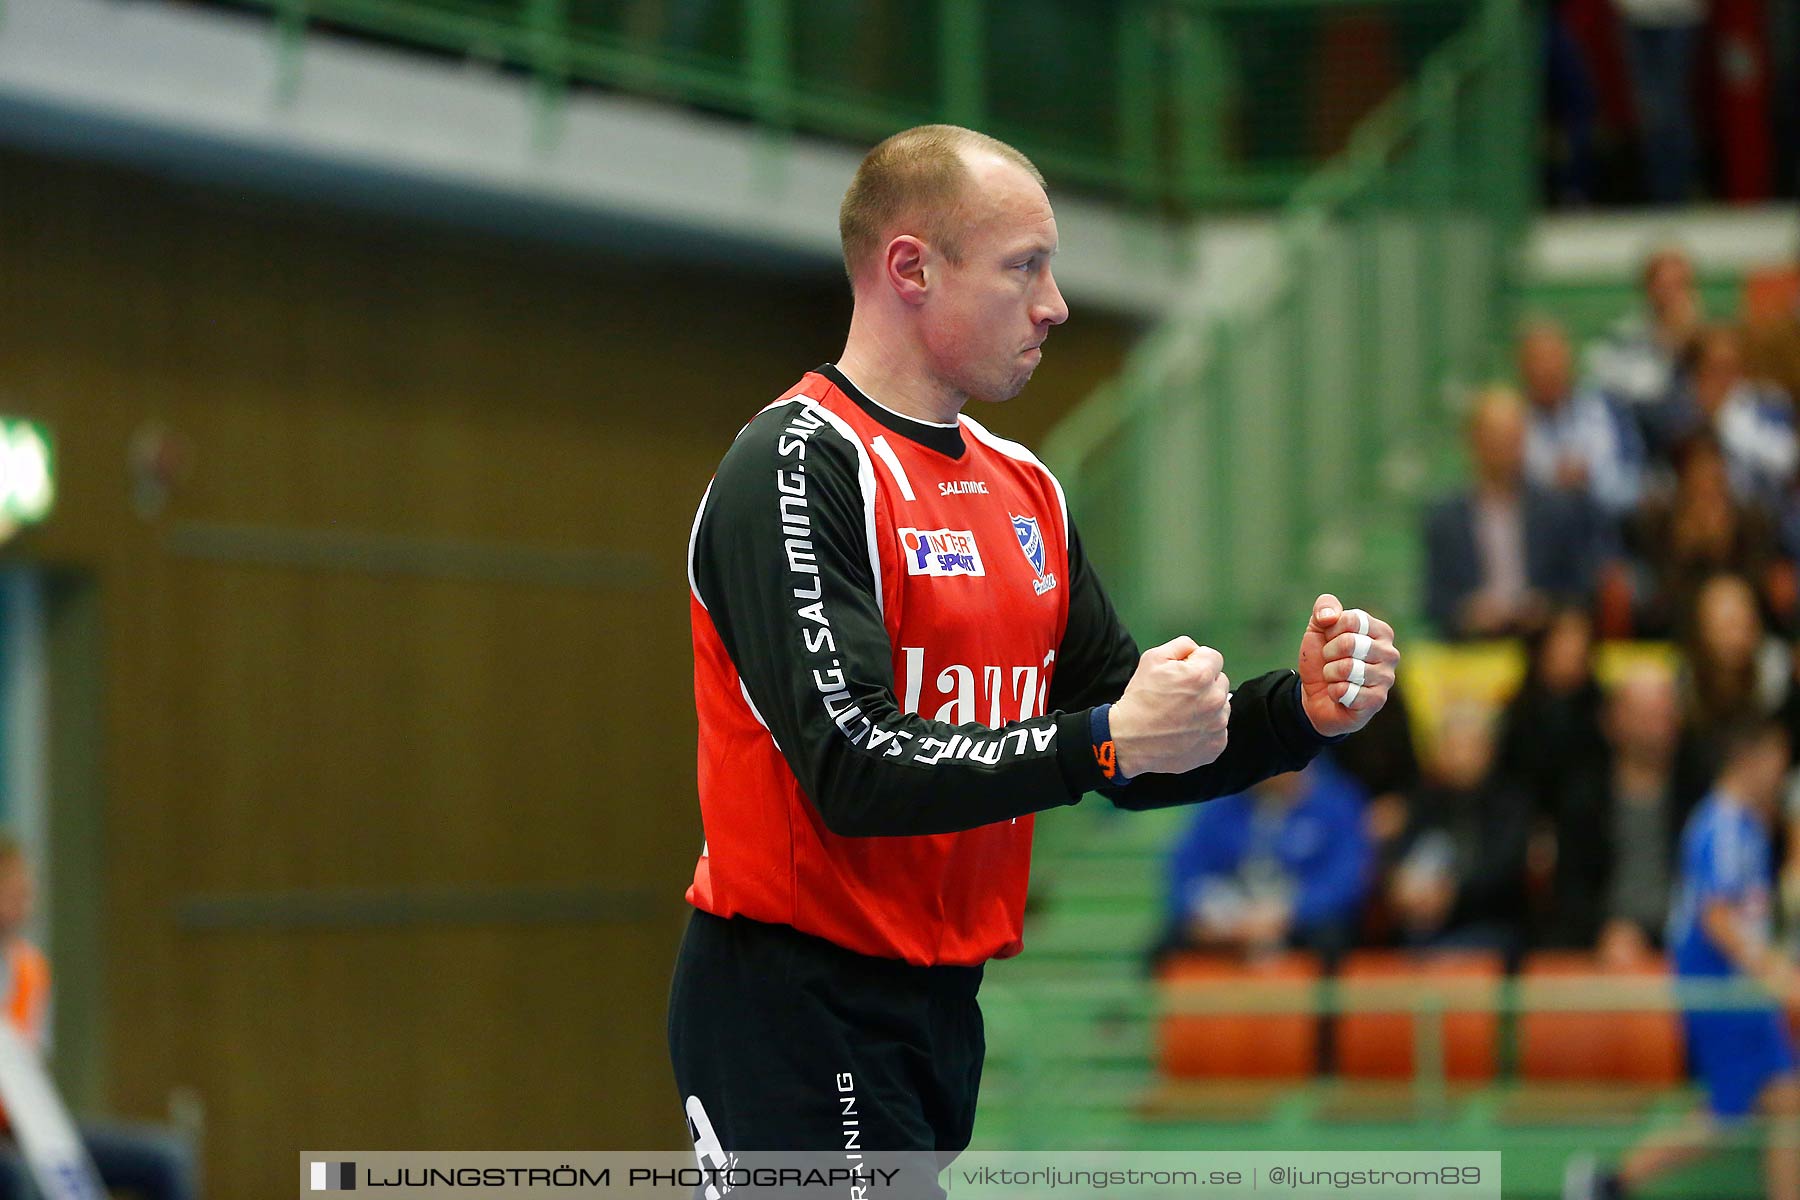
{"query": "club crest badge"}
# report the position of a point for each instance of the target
(1031, 544)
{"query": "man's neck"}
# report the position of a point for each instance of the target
(1555, 406)
(1497, 491)
(1731, 793)
(894, 377)
(1668, 330)
(1641, 775)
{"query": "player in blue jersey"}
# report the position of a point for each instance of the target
(1719, 931)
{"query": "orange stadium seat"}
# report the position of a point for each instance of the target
(1281, 1045)
(1615, 1046)
(1383, 1044)
(1770, 293)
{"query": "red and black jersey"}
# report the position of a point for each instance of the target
(898, 645)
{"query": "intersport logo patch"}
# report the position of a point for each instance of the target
(940, 553)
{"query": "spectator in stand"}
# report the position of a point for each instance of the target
(1700, 529)
(1550, 730)
(1636, 363)
(1616, 818)
(1577, 440)
(1789, 841)
(1459, 878)
(1498, 556)
(1552, 723)
(1732, 674)
(1661, 41)
(1285, 864)
(1772, 354)
(1753, 422)
(1644, 813)
(1383, 759)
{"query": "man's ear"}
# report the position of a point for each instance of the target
(905, 267)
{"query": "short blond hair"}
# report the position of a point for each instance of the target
(918, 177)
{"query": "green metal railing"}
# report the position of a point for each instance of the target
(1179, 103)
(1070, 1066)
(1277, 442)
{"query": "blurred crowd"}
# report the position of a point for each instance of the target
(1670, 101)
(1554, 823)
(1646, 491)
(1626, 483)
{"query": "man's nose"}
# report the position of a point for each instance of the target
(1052, 307)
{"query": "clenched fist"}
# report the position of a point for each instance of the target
(1347, 662)
(1173, 714)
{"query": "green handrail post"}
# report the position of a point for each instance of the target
(290, 41)
(1300, 395)
(1504, 136)
(1365, 298)
(1510, 1007)
(768, 34)
(1519, 79)
(1493, 129)
(1430, 1070)
(768, 37)
(1144, 446)
(1201, 91)
(1137, 101)
(962, 55)
(1221, 427)
(1434, 176)
(547, 23)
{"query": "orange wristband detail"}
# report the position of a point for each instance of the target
(1108, 758)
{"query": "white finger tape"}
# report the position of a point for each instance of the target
(1358, 673)
(1350, 694)
(1362, 621)
(1361, 651)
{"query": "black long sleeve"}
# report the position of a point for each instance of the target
(1269, 732)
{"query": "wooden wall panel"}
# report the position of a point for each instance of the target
(398, 724)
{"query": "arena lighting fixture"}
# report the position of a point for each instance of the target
(27, 474)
